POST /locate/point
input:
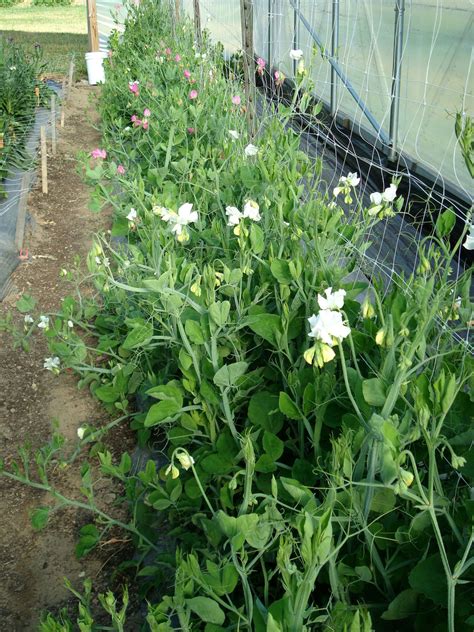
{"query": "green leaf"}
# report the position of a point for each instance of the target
(161, 411)
(39, 517)
(288, 407)
(267, 326)
(403, 606)
(139, 336)
(257, 239)
(229, 374)
(272, 445)
(206, 609)
(219, 312)
(374, 392)
(264, 411)
(297, 491)
(445, 222)
(89, 539)
(194, 332)
(26, 303)
(429, 579)
(281, 271)
(383, 500)
(107, 393)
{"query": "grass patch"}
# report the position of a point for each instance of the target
(72, 19)
(57, 49)
(60, 31)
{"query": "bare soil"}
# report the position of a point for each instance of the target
(32, 400)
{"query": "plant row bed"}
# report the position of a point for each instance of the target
(311, 433)
(21, 91)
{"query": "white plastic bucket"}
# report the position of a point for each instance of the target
(95, 68)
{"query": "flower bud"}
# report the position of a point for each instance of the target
(185, 460)
(173, 470)
(368, 310)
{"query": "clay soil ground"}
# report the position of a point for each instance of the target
(33, 564)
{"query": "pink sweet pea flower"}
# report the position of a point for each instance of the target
(236, 100)
(191, 130)
(145, 124)
(279, 78)
(177, 58)
(99, 153)
(193, 94)
(137, 122)
(120, 170)
(133, 118)
(261, 63)
(167, 51)
(187, 74)
(146, 112)
(133, 87)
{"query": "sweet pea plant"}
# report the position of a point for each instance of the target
(313, 426)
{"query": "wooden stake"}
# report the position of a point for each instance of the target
(44, 165)
(177, 8)
(62, 116)
(197, 23)
(53, 124)
(71, 75)
(246, 18)
(20, 222)
(92, 28)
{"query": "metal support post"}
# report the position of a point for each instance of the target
(334, 54)
(296, 32)
(269, 33)
(396, 77)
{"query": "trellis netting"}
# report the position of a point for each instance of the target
(436, 64)
(435, 57)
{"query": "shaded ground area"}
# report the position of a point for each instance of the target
(33, 564)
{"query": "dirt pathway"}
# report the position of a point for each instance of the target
(33, 564)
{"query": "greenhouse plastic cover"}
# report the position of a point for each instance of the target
(436, 64)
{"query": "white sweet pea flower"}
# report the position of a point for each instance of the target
(44, 322)
(186, 215)
(51, 364)
(376, 198)
(345, 184)
(469, 243)
(233, 133)
(81, 431)
(333, 300)
(132, 216)
(390, 193)
(296, 54)
(29, 319)
(252, 211)
(251, 150)
(233, 214)
(185, 460)
(352, 179)
(97, 260)
(327, 326)
(70, 324)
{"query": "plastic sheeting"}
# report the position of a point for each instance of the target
(436, 79)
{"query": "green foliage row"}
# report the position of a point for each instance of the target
(302, 482)
(20, 92)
